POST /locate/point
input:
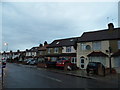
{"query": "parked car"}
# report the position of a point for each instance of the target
(93, 66)
(51, 63)
(66, 64)
(33, 62)
(27, 61)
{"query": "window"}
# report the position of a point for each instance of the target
(53, 59)
(55, 50)
(57, 42)
(83, 46)
(71, 40)
(73, 60)
(96, 45)
(49, 50)
(82, 60)
(68, 49)
(40, 52)
(119, 44)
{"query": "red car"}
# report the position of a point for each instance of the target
(65, 63)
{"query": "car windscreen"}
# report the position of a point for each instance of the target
(60, 61)
(92, 64)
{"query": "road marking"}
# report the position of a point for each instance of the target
(54, 79)
(51, 78)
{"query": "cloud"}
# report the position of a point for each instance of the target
(26, 24)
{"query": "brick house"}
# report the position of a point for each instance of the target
(62, 48)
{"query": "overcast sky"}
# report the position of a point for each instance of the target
(27, 24)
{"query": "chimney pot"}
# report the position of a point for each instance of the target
(110, 26)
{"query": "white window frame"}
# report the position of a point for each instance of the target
(41, 52)
(74, 60)
(83, 46)
(56, 50)
(49, 50)
(68, 49)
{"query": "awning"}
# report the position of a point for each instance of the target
(97, 54)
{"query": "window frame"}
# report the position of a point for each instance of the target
(74, 60)
(68, 49)
(49, 50)
(56, 50)
(83, 46)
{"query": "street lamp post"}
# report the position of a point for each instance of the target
(3, 62)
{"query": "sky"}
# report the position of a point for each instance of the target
(27, 24)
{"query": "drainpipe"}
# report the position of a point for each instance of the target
(110, 64)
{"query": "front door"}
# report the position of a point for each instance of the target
(82, 62)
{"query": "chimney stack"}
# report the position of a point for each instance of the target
(110, 26)
(40, 45)
(45, 43)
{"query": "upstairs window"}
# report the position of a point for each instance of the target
(83, 46)
(96, 45)
(68, 49)
(57, 42)
(119, 44)
(56, 50)
(40, 52)
(49, 50)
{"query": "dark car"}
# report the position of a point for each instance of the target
(51, 63)
(93, 66)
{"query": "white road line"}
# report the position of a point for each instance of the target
(51, 78)
(54, 79)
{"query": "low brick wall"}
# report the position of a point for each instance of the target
(107, 71)
(117, 70)
(41, 65)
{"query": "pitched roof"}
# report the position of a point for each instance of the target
(100, 35)
(43, 48)
(33, 49)
(97, 54)
(63, 42)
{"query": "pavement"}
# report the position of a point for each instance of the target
(110, 78)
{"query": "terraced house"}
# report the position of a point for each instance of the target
(31, 53)
(99, 46)
(41, 54)
(62, 48)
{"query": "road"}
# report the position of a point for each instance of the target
(20, 76)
